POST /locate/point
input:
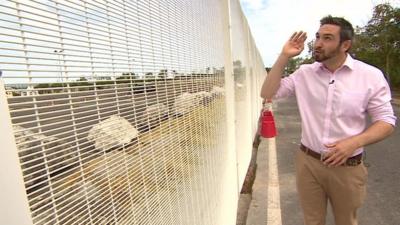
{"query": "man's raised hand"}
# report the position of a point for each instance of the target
(295, 45)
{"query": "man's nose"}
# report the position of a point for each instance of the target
(317, 43)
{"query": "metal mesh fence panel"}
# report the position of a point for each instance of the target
(118, 108)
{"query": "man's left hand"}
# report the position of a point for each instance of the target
(341, 151)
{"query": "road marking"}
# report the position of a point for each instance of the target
(274, 205)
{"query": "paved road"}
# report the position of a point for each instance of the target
(382, 206)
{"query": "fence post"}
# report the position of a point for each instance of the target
(231, 175)
(14, 206)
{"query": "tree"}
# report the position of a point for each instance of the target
(293, 65)
(126, 77)
(149, 75)
(174, 73)
(378, 43)
(163, 73)
(239, 71)
(237, 63)
(82, 79)
(297, 62)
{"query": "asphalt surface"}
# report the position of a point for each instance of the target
(382, 205)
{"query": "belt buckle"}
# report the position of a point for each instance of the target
(352, 162)
(322, 156)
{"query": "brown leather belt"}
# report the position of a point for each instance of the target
(352, 161)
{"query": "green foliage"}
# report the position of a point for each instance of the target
(163, 73)
(149, 75)
(126, 78)
(43, 85)
(82, 81)
(293, 65)
(378, 43)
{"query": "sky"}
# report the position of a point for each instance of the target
(273, 21)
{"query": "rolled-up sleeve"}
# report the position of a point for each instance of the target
(379, 106)
(287, 87)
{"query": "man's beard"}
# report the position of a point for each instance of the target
(320, 55)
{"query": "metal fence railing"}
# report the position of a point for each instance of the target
(125, 112)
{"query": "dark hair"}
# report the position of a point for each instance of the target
(346, 29)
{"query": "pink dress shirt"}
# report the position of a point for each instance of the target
(334, 106)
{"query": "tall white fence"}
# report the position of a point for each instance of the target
(125, 111)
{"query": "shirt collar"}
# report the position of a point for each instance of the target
(349, 63)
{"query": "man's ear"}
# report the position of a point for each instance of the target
(346, 45)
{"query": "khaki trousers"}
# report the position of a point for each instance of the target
(344, 187)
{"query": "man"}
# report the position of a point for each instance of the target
(334, 95)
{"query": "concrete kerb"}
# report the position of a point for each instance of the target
(246, 191)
